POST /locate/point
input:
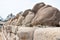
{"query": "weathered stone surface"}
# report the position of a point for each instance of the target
(33, 24)
(16, 21)
(10, 32)
(47, 34)
(28, 19)
(0, 36)
(40, 14)
(10, 29)
(26, 33)
(14, 37)
(20, 20)
(37, 7)
(47, 15)
(26, 12)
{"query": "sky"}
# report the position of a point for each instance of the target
(15, 6)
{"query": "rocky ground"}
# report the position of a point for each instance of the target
(42, 22)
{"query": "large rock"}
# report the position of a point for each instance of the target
(14, 20)
(0, 37)
(10, 32)
(37, 7)
(28, 19)
(47, 15)
(25, 33)
(20, 20)
(47, 34)
(17, 20)
(26, 12)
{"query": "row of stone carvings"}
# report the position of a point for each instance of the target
(40, 14)
(30, 33)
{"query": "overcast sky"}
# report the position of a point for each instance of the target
(15, 6)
